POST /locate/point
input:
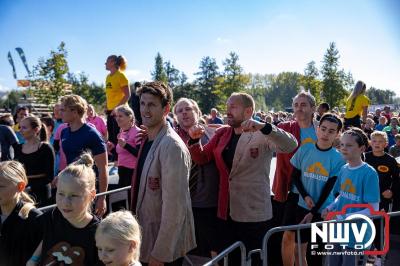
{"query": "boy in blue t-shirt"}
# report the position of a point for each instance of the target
(315, 170)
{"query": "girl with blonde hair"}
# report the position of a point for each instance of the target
(69, 229)
(18, 233)
(356, 106)
(118, 239)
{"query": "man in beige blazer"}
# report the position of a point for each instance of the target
(160, 190)
(242, 152)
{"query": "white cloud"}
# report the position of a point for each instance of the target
(223, 40)
(132, 73)
(4, 88)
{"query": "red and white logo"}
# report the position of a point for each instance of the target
(341, 233)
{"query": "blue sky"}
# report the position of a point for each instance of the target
(269, 36)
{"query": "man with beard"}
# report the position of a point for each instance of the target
(285, 198)
(242, 152)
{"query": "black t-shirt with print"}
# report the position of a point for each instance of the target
(65, 244)
(387, 169)
(19, 237)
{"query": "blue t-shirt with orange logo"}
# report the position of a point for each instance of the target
(316, 167)
(357, 185)
(308, 135)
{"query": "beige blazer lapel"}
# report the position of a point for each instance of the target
(240, 151)
(147, 164)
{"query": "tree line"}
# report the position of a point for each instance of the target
(212, 85)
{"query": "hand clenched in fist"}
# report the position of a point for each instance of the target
(252, 125)
(196, 131)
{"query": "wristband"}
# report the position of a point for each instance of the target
(35, 259)
(266, 129)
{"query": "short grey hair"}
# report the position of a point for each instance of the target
(308, 95)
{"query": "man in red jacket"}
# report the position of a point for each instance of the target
(242, 153)
(285, 200)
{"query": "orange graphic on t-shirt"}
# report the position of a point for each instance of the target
(383, 168)
(307, 140)
(317, 168)
(348, 186)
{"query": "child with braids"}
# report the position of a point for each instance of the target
(18, 231)
(69, 229)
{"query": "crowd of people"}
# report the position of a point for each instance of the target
(198, 183)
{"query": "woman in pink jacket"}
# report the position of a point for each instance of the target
(127, 146)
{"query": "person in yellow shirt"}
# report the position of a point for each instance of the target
(117, 93)
(356, 106)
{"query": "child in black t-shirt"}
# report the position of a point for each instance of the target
(385, 165)
(69, 230)
(388, 172)
(19, 235)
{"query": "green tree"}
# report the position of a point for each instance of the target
(283, 88)
(333, 81)
(172, 74)
(310, 80)
(347, 79)
(185, 89)
(92, 92)
(207, 80)
(258, 89)
(378, 96)
(234, 79)
(49, 76)
(11, 99)
(159, 71)
(232, 74)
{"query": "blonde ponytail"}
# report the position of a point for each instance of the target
(85, 159)
(28, 205)
(121, 63)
